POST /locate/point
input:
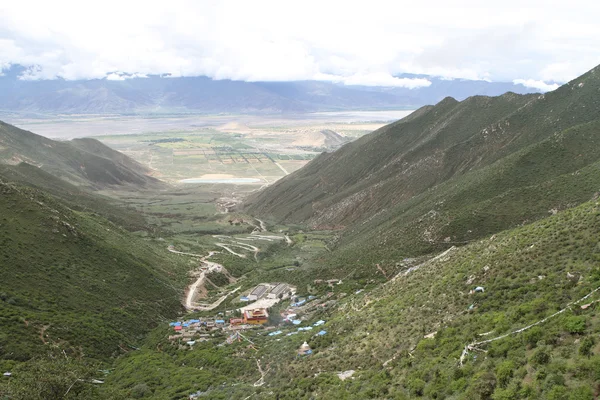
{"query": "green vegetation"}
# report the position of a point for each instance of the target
(461, 243)
(74, 284)
(73, 196)
(528, 274)
(446, 175)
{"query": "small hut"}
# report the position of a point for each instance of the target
(304, 350)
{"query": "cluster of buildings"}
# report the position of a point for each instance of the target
(270, 291)
(194, 330)
(255, 314)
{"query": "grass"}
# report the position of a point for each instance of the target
(93, 285)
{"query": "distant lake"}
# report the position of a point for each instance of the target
(222, 180)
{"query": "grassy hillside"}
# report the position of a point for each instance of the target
(448, 174)
(72, 196)
(528, 274)
(82, 161)
(73, 281)
(542, 179)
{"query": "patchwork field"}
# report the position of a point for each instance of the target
(238, 149)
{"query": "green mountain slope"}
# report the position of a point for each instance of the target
(405, 338)
(72, 281)
(528, 274)
(449, 173)
(82, 161)
(72, 196)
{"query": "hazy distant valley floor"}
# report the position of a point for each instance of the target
(257, 148)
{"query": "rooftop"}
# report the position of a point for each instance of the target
(279, 289)
(259, 290)
(258, 313)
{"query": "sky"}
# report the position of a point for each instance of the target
(536, 43)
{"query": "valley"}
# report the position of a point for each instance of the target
(452, 254)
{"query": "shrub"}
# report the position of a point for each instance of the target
(586, 346)
(504, 394)
(554, 380)
(533, 335)
(416, 386)
(140, 390)
(575, 324)
(557, 393)
(540, 357)
(581, 393)
(504, 372)
(484, 385)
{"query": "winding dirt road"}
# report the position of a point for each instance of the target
(208, 266)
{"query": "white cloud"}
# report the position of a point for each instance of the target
(383, 79)
(540, 85)
(115, 77)
(278, 40)
(121, 76)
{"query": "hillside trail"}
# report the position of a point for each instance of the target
(474, 346)
(208, 266)
(261, 381)
(226, 243)
(263, 226)
(225, 246)
(245, 246)
(43, 332)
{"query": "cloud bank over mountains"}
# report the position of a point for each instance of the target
(368, 44)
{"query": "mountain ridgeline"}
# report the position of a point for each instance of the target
(85, 162)
(449, 173)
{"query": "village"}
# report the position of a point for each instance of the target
(254, 315)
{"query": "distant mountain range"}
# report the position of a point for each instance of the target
(156, 94)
